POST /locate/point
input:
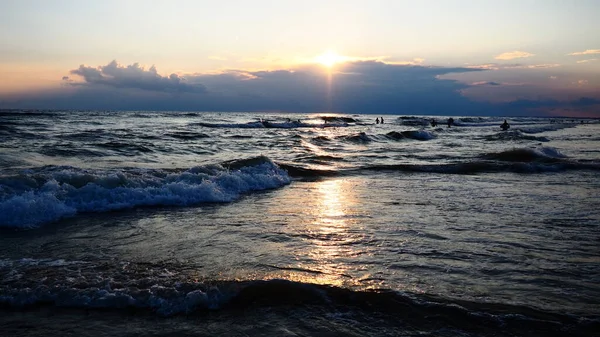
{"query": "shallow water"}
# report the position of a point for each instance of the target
(319, 226)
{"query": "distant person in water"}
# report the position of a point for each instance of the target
(381, 120)
(504, 126)
(377, 120)
(433, 123)
(450, 121)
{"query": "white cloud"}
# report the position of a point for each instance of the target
(513, 55)
(586, 61)
(587, 52)
(541, 66)
(133, 76)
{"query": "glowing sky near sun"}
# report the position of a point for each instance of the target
(550, 44)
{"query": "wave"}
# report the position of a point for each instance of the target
(411, 134)
(187, 135)
(544, 128)
(268, 124)
(472, 119)
(249, 125)
(167, 290)
(46, 194)
(514, 135)
(360, 137)
(475, 167)
(69, 150)
(414, 121)
(126, 147)
(519, 160)
(542, 154)
(304, 172)
(319, 139)
(335, 119)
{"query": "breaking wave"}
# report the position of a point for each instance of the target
(542, 154)
(411, 134)
(42, 195)
(166, 290)
(514, 135)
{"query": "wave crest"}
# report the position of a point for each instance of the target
(47, 194)
(542, 154)
(167, 290)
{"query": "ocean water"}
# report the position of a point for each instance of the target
(271, 224)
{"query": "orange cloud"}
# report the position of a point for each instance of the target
(587, 52)
(513, 55)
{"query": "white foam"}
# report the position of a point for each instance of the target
(68, 191)
(164, 300)
(550, 152)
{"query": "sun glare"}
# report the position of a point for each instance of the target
(329, 58)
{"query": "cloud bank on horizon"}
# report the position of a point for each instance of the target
(365, 86)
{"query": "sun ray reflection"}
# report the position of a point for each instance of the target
(334, 234)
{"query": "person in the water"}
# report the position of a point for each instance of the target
(505, 126)
(450, 121)
(433, 123)
(377, 120)
(381, 120)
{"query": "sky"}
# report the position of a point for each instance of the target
(444, 57)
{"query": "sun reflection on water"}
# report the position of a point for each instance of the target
(333, 234)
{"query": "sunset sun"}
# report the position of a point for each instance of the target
(329, 58)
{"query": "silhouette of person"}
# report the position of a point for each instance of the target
(450, 121)
(381, 120)
(433, 122)
(504, 126)
(377, 120)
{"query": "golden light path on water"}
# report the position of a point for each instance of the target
(332, 230)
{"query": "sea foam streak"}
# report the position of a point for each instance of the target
(166, 290)
(46, 194)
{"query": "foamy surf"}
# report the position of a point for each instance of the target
(43, 195)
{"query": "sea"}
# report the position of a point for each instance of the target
(165, 223)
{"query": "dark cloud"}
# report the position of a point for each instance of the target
(581, 102)
(134, 76)
(354, 87)
(583, 106)
(357, 87)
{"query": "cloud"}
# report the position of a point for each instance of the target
(366, 86)
(134, 76)
(578, 103)
(540, 66)
(513, 55)
(499, 66)
(353, 87)
(587, 52)
(586, 61)
(582, 107)
(486, 83)
(362, 86)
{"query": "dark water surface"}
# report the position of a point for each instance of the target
(131, 223)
